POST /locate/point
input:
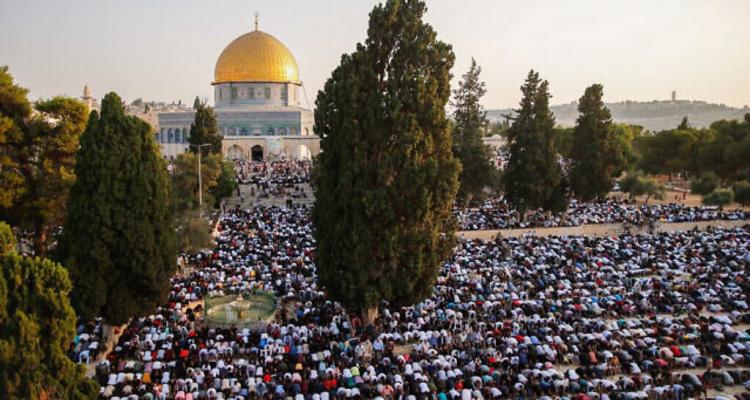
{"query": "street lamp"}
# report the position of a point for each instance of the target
(200, 178)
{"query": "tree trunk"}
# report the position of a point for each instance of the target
(41, 240)
(109, 340)
(369, 315)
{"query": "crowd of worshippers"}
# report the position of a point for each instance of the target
(286, 172)
(632, 317)
(497, 213)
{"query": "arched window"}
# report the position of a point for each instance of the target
(234, 93)
(268, 92)
(232, 131)
(178, 136)
(256, 153)
(243, 132)
(251, 93)
(282, 131)
(170, 135)
(235, 153)
(270, 131)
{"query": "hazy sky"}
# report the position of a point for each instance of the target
(166, 50)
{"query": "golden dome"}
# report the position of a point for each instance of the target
(256, 57)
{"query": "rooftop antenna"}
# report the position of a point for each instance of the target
(257, 14)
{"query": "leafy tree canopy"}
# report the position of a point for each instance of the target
(37, 156)
(37, 324)
(706, 184)
(741, 191)
(719, 197)
(7, 239)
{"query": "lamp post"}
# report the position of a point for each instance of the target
(200, 177)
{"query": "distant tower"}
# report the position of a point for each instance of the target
(87, 97)
(674, 96)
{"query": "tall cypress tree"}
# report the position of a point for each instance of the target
(470, 119)
(594, 154)
(204, 130)
(532, 177)
(386, 179)
(118, 240)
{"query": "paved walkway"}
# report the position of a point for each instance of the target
(599, 230)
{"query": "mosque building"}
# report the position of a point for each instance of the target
(256, 101)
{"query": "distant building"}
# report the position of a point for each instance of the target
(257, 104)
(674, 96)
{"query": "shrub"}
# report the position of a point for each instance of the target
(707, 183)
(719, 197)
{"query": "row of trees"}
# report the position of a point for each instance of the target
(723, 148)
(547, 164)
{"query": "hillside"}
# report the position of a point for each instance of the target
(653, 115)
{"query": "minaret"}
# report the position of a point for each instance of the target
(87, 97)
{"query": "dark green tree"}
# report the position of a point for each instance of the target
(37, 155)
(741, 191)
(470, 121)
(667, 152)
(637, 184)
(386, 179)
(118, 240)
(719, 198)
(533, 172)
(684, 124)
(594, 154)
(204, 130)
(185, 182)
(226, 183)
(197, 103)
(37, 325)
(706, 184)
(15, 109)
(564, 141)
(624, 135)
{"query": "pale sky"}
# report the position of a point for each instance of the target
(166, 50)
